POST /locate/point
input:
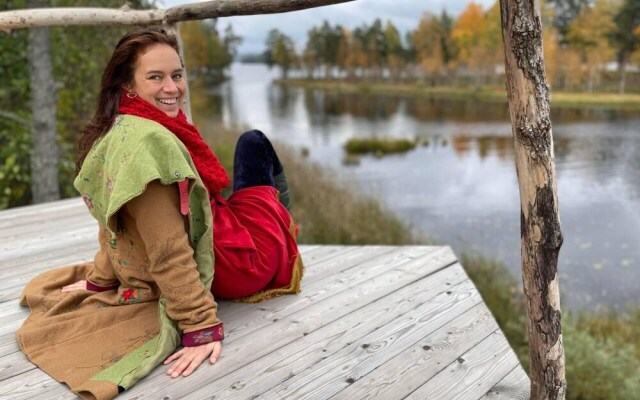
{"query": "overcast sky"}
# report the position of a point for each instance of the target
(404, 14)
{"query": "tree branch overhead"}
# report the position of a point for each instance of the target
(19, 19)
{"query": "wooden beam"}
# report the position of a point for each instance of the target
(540, 233)
(17, 19)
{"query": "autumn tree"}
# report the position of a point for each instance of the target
(361, 45)
(375, 46)
(426, 44)
(348, 54)
(394, 49)
(280, 52)
(466, 34)
(565, 11)
(490, 51)
(311, 57)
(357, 58)
(207, 53)
(624, 37)
(449, 50)
(331, 38)
(195, 40)
(588, 34)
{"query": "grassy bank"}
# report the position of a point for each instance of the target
(602, 352)
(490, 94)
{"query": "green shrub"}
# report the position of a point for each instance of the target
(378, 146)
(15, 171)
(599, 368)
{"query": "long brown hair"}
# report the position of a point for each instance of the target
(117, 74)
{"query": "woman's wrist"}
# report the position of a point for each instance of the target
(203, 336)
(97, 288)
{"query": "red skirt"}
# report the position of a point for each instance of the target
(254, 241)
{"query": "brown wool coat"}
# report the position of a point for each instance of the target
(74, 336)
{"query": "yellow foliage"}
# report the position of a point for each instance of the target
(588, 36)
(550, 51)
(467, 30)
(428, 44)
(194, 40)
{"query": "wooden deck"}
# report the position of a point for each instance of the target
(371, 322)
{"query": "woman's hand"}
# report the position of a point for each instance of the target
(80, 285)
(189, 358)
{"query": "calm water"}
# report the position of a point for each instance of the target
(461, 189)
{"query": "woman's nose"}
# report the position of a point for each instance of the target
(169, 86)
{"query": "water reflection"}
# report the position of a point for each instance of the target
(321, 104)
(461, 188)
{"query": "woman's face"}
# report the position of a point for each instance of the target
(158, 79)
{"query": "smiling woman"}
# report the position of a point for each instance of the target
(154, 186)
(158, 79)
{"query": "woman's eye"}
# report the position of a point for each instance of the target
(154, 77)
(177, 76)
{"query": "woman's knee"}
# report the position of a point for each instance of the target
(253, 138)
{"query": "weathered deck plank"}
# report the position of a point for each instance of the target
(514, 386)
(408, 370)
(379, 322)
(258, 377)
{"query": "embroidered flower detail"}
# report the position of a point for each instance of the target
(130, 296)
(203, 337)
(100, 173)
(118, 119)
(178, 174)
(88, 202)
(110, 185)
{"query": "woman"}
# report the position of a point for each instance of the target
(154, 187)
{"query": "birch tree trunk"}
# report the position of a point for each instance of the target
(622, 68)
(44, 158)
(541, 236)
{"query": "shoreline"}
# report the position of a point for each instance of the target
(493, 94)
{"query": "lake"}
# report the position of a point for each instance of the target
(460, 188)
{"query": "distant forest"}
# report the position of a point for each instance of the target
(588, 46)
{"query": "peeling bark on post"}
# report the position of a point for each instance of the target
(541, 236)
(45, 155)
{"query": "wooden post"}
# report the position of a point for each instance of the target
(540, 233)
(45, 156)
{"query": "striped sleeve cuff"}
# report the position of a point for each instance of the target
(203, 336)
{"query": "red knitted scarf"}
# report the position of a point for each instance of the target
(213, 175)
